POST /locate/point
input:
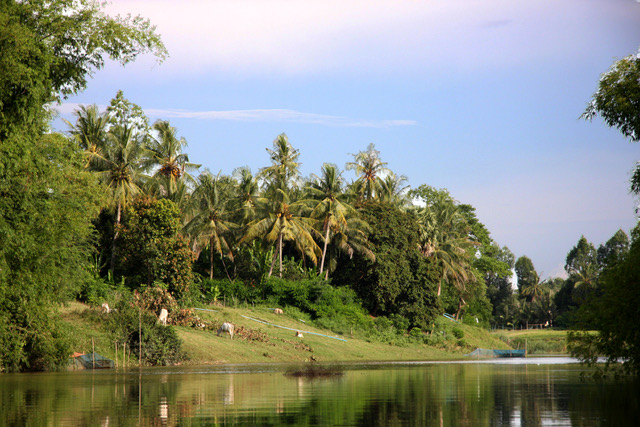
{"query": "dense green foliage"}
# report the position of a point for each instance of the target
(613, 312)
(152, 249)
(47, 50)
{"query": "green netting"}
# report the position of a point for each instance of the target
(483, 352)
(91, 361)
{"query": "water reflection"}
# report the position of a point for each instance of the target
(478, 394)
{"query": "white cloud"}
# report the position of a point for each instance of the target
(259, 115)
(368, 36)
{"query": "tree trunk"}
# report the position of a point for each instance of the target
(273, 259)
(324, 249)
(211, 258)
(116, 232)
(280, 252)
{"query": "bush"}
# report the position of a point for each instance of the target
(160, 344)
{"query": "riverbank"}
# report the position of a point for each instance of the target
(257, 339)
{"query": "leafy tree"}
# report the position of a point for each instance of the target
(46, 206)
(400, 280)
(613, 249)
(615, 315)
(617, 101)
(48, 49)
(152, 248)
(583, 253)
(526, 273)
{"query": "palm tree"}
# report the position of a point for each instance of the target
(393, 190)
(90, 130)
(284, 170)
(535, 290)
(330, 208)
(165, 153)
(279, 221)
(119, 165)
(368, 167)
(246, 193)
(211, 222)
(444, 237)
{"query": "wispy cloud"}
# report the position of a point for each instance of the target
(262, 115)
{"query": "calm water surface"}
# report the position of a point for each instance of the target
(511, 392)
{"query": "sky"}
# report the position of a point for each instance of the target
(481, 97)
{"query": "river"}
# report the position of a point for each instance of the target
(509, 392)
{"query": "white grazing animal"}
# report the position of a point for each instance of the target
(278, 311)
(226, 327)
(299, 334)
(105, 308)
(163, 316)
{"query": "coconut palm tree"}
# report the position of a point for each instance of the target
(211, 223)
(119, 165)
(278, 221)
(368, 167)
(90, 130)
(246, 194)
(164, 152)
(394, 191)
(284, 170)
(332, 211)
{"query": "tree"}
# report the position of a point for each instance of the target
(211, 224)
(153, 249)
(51, 48)
(399, 280)
(90, 131)
(583, 253)
(368, 167)
(284, 169)
(613, 249)
(617, 101)
(46, 206)
(120, 168)
(48, 50)
(164, 153)
(331, 208)
(526, 273)
(279, 221)
(615, 315)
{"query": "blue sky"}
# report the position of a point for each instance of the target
(479, 97)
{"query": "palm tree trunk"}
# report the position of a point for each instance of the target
(116, 232)
(211, 259)
(273, 259)
(280, 252)
(324, 249)
(225, 268)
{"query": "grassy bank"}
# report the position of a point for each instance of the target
(536, 341)
(256, 342)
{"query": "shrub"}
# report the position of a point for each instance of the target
(160, 344)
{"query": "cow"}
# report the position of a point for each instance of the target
(106, 308)
(299, 334)
(278, 311)
(163, 316)
(226, 327)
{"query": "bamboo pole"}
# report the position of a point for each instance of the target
(116, 355)
(93, 352)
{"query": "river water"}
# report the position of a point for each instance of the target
(509, 392)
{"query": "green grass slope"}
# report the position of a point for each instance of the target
(256, 342)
